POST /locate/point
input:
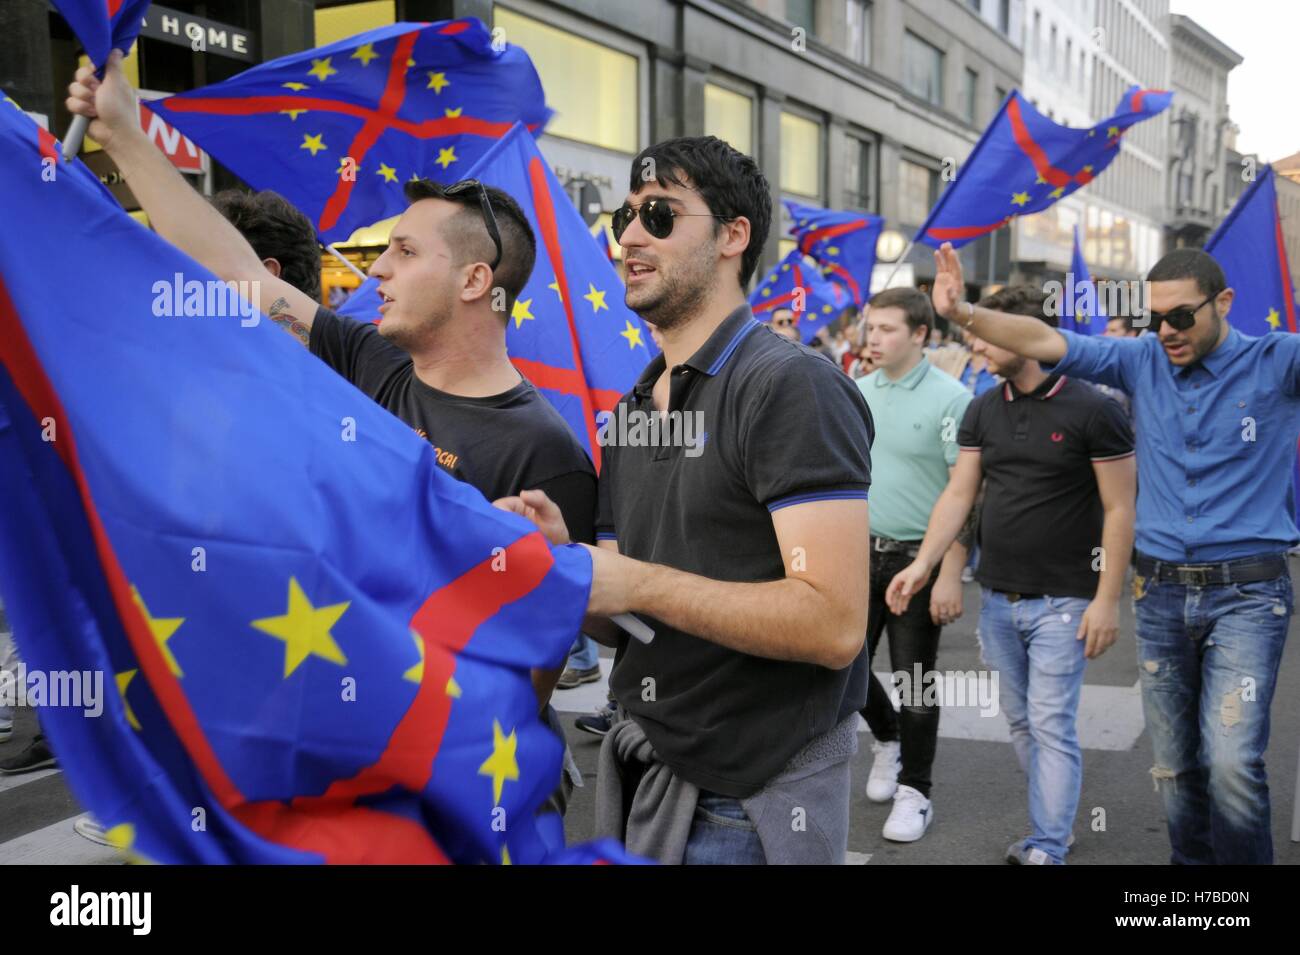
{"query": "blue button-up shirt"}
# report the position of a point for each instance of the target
(1216, 440)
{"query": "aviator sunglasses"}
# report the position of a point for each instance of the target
(655, 215)
(472, 186)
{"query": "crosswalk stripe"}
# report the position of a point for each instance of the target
(56, 844)
(13, 782)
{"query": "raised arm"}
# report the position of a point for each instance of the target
(1018, 333)
(180, 214)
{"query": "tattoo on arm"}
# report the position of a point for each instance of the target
(278, 313)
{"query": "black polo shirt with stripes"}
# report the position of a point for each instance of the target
(1040, 526)
(765, 423)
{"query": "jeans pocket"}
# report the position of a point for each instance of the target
(724, 812)
(1274, 594)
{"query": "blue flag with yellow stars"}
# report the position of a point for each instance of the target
(292, 637)
(1249, 247)
(799, 286)
(1024, 162)
(339, 129)
(602, 242)
(569, 332)
(842, 243)
(103, 25)
(1080, 306)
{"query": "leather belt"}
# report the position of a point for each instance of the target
(887, 545)
(1244, 570)
(1015, 598)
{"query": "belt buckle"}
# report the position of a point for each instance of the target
(880, 545)
(1194, 576)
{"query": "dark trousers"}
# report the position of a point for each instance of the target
(913, 640)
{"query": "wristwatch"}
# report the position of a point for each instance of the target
(970, 315)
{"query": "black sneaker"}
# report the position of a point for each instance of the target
(571, 678)
(598, 723)
(36, 756)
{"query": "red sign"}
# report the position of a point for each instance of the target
(178, 147)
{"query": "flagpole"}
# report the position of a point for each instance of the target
(342, 258)
(898, 263)
(76, 133)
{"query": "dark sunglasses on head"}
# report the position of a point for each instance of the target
(782, 322)
(470, 186)
(1180, 319)
(656, 217)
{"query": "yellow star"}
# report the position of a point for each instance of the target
(1020, 198)
(365, 53)
(1274, 319)
(505, 855)
(296, 87)
(123, 680)
(321, 69)
(446, 156)
(501, 764)
(388, 172)
(555, 284)
(162, 629)
(1039, 180)
(409, 62)
(312, 143)
(785, 266)
(453, 688)
(453, 113)
(1057, 192)
(1087, 169)
(438, 82)
(832, 250)
(305, 629)
(597, 299)
(416, 673)
(293, 113)
(521, 311)
(1113, 131)
(1092, 132)
(826, 308)
(633, 334)
(767, 290)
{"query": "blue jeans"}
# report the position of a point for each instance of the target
(585, 653)
(1208, 659)
(722, 834)
(1031, 644)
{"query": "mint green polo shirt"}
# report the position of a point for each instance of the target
(917, 418)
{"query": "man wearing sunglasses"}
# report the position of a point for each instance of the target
(749, 560)
(785, 323)
(1218, 415)
(457, 259)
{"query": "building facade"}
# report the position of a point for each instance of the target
(1200, 132)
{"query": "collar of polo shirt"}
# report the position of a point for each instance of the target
(1217, 361)
(908, 381)
(1050, 386)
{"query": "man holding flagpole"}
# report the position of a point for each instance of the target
(1220, 416)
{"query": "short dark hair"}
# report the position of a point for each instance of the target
(915, 305)
(276, 230)
(1190, 264)
(1020, 300)
(468, 236)
(729, 182)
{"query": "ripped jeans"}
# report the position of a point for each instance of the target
(1208, 659)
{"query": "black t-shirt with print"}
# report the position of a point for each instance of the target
(500, 445)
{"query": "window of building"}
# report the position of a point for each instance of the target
(338, 23)
(592, 88)
(974, 5)
(730, 117)
(860, 31)
(918, 190)
(1004, 16)
(1069, 59)
(801, 156)
(1051, 49)
(970, 85)
(860, 173)
(1037, 37)
(922, 68)
(1001, 94)
(802, 13)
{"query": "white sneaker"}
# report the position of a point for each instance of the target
(6, 723)
(885, 766)
(910, 817)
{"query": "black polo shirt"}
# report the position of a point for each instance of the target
(1042, 515)
(783, 426)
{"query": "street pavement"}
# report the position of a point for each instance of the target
(979, 792)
